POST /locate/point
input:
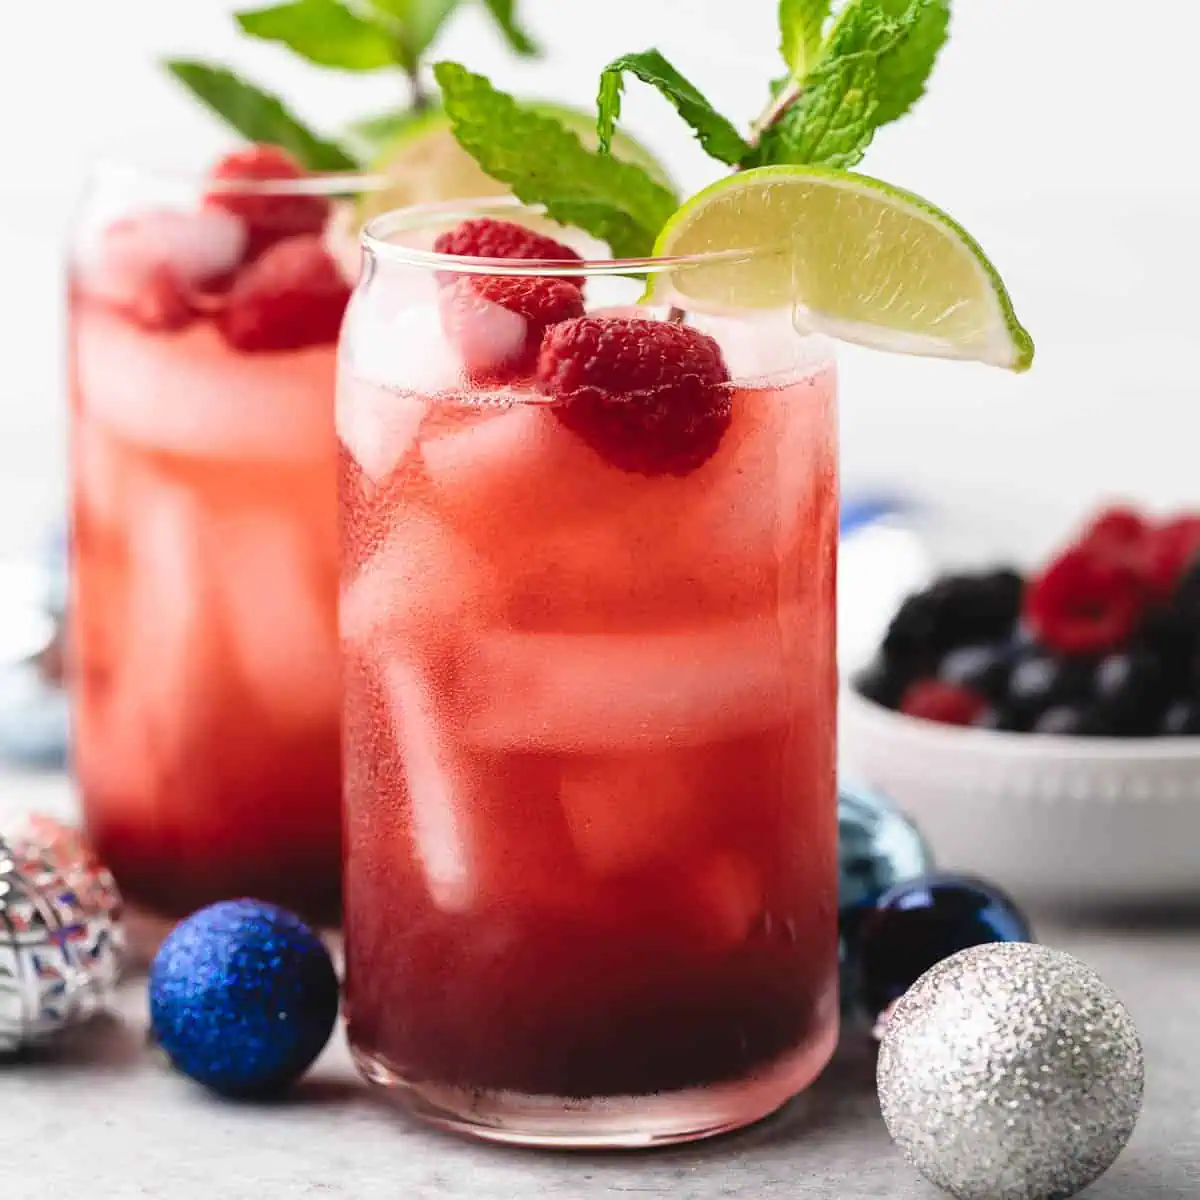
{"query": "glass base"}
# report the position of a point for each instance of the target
(609, 1122)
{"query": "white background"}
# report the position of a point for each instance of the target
(1061, 132)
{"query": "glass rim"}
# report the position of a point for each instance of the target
(318, 183)
(377, 233)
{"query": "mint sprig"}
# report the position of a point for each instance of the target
(258, 115)
(504, 14)
(716, 134)
(801, 23)
(544, 162)
(344, 35)
(849, 72)
(324, 32)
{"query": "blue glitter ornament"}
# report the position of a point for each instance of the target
(917, 924)
(243, 997)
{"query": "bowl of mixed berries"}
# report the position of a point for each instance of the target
(1043, 727)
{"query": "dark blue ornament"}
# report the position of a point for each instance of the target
(918, 923)
(243, 997)
(878, 847)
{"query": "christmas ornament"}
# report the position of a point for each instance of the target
(243, 997)
(1010, 1072)
(61, 939)
(918, 923)
(878, 846)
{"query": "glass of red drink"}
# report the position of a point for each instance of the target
(587, 623)
(203, 643)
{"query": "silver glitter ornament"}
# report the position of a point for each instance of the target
(61, 939)
(1010, 1072)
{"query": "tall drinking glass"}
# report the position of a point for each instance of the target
(202, 623)
(589, 698)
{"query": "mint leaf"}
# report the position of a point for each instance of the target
(800, 26)
(904, 69)
(504, 13)
(323, 31)
(716, 134)
(370, 138)
(413, 24)
(543, 162)
(258, 115)
(833, 121)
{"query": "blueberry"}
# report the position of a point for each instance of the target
(1002, 718)
(983, 669)
(1130, 691)
(1063, 719)
(1075, 720)
(882, 682)
(1042, 681)
(1182, 719)
(1171, 639)
(1186, 600)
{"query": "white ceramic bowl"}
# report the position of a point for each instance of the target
(1077, 822)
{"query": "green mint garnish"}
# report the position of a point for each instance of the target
(848, 73)
(345, 35)
(544, 162)
(831, 122)
(904, 69)
(324, 32)
(801, 23)
(715, 133)
(259, 116)
(410, 27)
(504, 13)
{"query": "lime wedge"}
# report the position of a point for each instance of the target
(860, 260)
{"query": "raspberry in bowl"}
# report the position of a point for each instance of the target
(204, 671)
(1044, 728)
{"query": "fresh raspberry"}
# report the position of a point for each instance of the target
(293, 296)
(648, 396)
(1085, 602)
(1117, 528)
(269, 218)
(946, 703)
(485, 237)
(497, 321)
(1168, 552)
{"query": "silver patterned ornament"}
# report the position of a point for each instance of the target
(61, 938)
(1010, 1071)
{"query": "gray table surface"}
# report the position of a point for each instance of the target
(103, 1118)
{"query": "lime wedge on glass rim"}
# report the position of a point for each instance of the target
(857, 259)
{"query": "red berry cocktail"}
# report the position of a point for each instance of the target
(204, 320)
(587, 620)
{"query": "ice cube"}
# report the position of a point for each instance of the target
(592, 693)
(277, 608)
(626, 812)
(445, 830)
(394, 339)
(190, 393)
(423, 576)
(728, 898)
(165, 675)
(377, 425)
(194, 247)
